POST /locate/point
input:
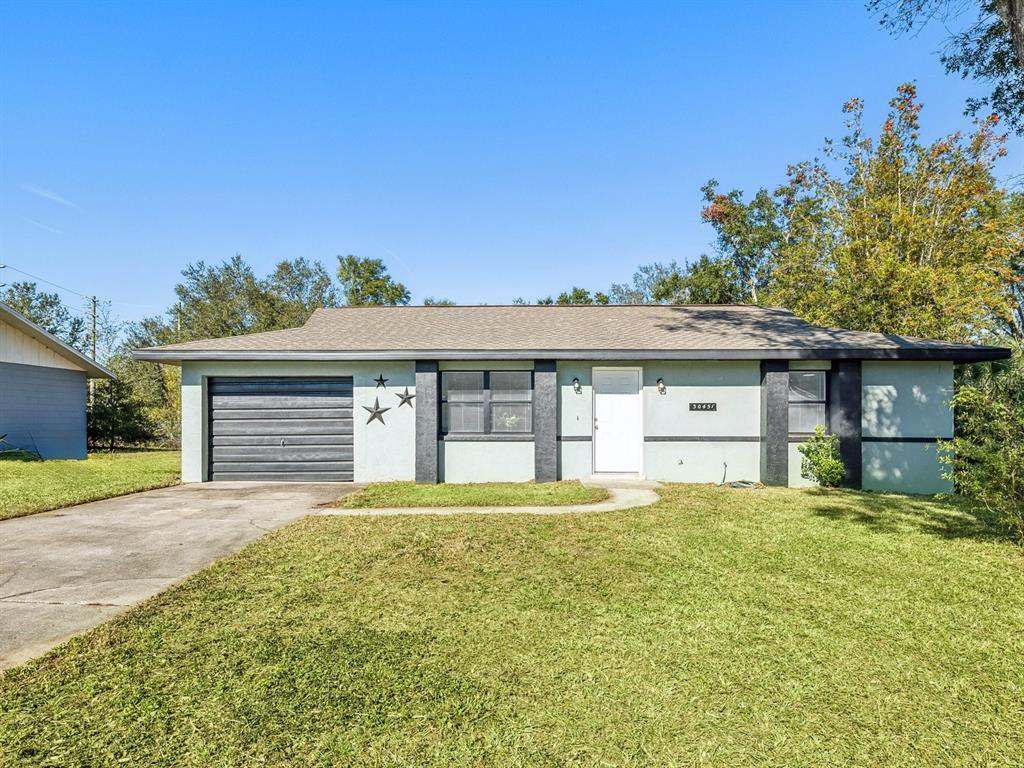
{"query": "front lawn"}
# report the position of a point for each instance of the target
(719, 627)
(28, 485)
(403, 494)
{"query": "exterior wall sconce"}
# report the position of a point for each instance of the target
(661, 386)
(576, 385)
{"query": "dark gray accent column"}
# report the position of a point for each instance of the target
(775, 422)
(545, 421)
(426, 420)
(845, 417)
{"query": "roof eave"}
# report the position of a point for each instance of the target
(956, 354)
(92, 369)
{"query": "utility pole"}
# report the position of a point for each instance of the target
(92, 382)
(94, 328)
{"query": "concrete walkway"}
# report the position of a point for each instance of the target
(623, 494)
(66, 571)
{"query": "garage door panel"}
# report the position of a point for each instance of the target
(284, 427)
(284, 466)
(281, 401)
(281, 429)
(292, 440)
(238, 414)
(291, 477)
(285, 386)
(282, 453)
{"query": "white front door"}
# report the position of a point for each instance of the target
(618, 420)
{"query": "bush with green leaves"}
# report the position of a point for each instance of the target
(821, 462)
(986, 457)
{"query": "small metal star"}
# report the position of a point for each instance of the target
(381, 381)
(406, 398)
(376, 412)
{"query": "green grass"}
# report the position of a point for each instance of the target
(403, 494)
(28, 485)
(717, 628)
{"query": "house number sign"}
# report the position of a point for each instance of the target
(703, 406)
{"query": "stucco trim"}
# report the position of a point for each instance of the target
(904, 439)
(702, 439)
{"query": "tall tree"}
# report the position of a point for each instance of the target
(989, 49)
(366, 281)
(643, 287)
(749, 235)
(298, 287)
(222, 300)
(889, 235)
(705, 281)
(49, 312)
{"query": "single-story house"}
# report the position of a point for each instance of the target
(43, 389)
(480, 393)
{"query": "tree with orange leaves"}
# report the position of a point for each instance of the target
(888, 234)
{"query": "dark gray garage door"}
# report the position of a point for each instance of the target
(281, 429)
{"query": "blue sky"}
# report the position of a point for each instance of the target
(483, 151)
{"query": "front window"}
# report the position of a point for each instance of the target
(808, 406)
(486, 402)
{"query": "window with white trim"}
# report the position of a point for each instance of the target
(486, 402)
(808, 401)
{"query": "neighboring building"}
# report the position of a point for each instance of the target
(471, 394)
(43, 389)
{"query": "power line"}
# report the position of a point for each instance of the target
(71, 290)
(43, 280)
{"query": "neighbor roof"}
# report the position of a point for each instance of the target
(620, 332)
(48, 340)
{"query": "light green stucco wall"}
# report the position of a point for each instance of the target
(485, 462)
(904, 468)
(702, 462)
(795, 481)
(906, 399)
(733, 385)
(380, 451)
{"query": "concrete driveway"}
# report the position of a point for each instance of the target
(65, 571)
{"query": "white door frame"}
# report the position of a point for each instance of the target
(593, 415)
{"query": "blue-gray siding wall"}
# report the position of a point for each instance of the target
(43, 409)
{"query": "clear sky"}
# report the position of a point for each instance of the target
(484, 151)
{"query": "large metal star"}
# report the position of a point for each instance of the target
(406, 398)
(376, 412)
(381, 382)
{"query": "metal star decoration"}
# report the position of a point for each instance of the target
(376, 412)
(406, 398)
(381, 381)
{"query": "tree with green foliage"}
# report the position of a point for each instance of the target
(367, 282)
(644, 285)
(892, 236)
(750, 235)
(430, 301)
(986, 457)
(117, 416)
(49, 312)
(296, 288)
(705, 281)
(991, 49)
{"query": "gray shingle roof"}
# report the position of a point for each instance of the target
(582, 332)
